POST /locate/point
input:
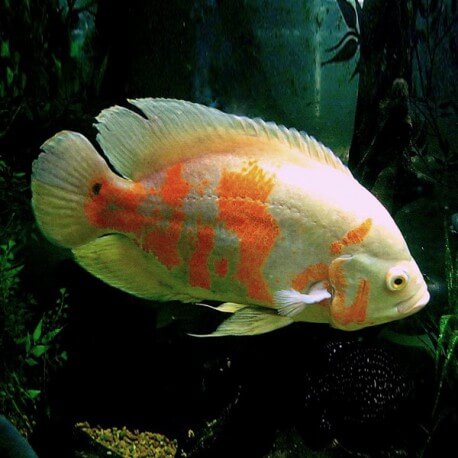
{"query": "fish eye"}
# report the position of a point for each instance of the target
(96, 188)
(396, 279)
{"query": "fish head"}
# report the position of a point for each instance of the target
(368, 290)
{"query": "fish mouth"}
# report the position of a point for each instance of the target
(415, 302)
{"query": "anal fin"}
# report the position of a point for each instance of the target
(250, 321)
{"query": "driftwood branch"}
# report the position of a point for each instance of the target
(392, 137)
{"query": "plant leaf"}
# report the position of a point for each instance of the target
(350, 33)
(345, 53)
(31, 362)
(446, 326)
(357, 70)
(33, 394)
(422, 341)
(28, 343)
(5, 49)
(359, 12)
(348, 13)
(51, 335)
(37, 332)
(9, 76)
(38, 350)
(451, 268)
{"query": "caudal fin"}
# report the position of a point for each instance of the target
(61, 180)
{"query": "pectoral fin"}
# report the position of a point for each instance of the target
(250, 321)
(291, 302)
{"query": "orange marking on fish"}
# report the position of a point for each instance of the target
(336, 273)
(175, 188)
(356, 312)
(115, 205)
(221, 267)
(163, 241)
(112, 205)
(242, 207)
(352, 237)
(312, 274)
(199, 273)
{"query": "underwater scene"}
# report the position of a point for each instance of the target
(228, 228)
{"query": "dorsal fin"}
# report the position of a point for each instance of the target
(176, 130)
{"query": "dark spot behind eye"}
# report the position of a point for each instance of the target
(96, 188)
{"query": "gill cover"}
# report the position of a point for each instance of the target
(351, 288)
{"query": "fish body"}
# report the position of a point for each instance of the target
(211, 206)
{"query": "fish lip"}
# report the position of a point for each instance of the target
(415, 302)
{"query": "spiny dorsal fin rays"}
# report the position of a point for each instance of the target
(125, 137)
(177, 130)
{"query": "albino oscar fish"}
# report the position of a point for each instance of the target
(201, 205)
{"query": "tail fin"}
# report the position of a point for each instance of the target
(60, 187)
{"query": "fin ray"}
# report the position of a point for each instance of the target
(291, 302)
(250, 321)
(176, 130)
(116, 260)
(60, 186)
(227, 307)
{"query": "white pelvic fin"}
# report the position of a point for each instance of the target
(227, 307)
(291, 302)
(249, 321)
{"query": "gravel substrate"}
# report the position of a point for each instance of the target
(130, 444)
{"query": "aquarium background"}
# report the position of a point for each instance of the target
(377, 83)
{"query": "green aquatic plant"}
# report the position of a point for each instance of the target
(48, 71)
(446, 351)
(29, 354)
(405, 150)
(435, 160)
(30, 345)
(16, 402)
(40, 346)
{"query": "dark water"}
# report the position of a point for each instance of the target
(116, 360)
